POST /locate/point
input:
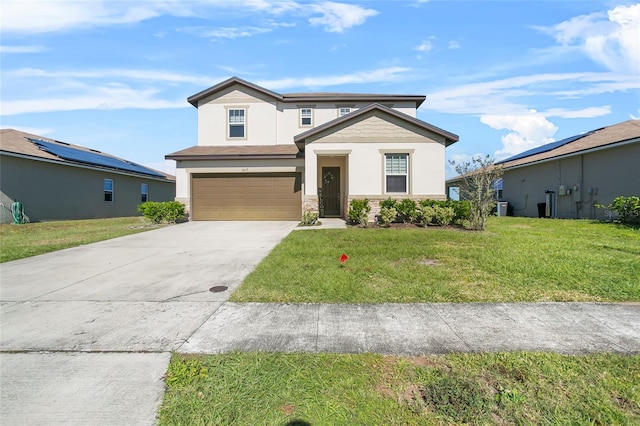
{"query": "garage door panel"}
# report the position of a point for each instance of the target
(275, 196)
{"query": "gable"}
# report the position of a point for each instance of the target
(376, 126)
(236, 94)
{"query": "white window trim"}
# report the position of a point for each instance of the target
(246, 122)
(409, 154)
(300, 116)
(105, 191)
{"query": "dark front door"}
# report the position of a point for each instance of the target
(331, 190)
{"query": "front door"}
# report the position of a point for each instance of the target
(331, 190)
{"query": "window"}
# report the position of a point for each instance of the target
(343, 111)
(144, 192)
(108, 190)
(306, 115)
(396, 173)
(236, 123)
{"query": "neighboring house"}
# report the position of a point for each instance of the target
(568, 178)
(58, 181)
(262, 155)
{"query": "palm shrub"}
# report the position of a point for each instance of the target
(359, 212)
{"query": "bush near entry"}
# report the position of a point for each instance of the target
(157, 212)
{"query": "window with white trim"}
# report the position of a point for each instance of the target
(144, 192)
(306, 117)
(237, 123)
(343, 111)
(396, 170)
(108, 189)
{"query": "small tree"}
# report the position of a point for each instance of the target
(476, 186)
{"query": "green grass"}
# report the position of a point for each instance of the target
(31, 239)
(515, 259)
(328, 389)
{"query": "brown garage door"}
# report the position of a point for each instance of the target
(256, 196)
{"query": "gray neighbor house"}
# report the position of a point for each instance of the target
(568, 178)
(59, 181)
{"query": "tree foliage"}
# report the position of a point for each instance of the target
(476, 186)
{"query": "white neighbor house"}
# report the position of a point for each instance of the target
(262, 155)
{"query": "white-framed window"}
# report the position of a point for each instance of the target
(396, 173)
(306, 117)
(237, 122)
(144, 192)
(108, 190)
(343, 111)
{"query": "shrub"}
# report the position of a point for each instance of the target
(443, 216)
(389, 203)
(386, 216)
(168, 211)
(309, 218)
(461, 210)
(359, 212)
(427, 214)
(407, 210)
(628, 209)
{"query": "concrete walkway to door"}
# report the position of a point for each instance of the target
(86, 333)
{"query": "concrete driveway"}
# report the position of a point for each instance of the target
(86, 333)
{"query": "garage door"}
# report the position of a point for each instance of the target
(256, 196)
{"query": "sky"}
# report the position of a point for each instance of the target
(506, 76)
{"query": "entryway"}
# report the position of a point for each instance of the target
(330, 192)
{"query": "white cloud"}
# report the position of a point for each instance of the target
(611, 39)
(226, 32)
(374, 76)
(41, 16)
(21, 49)
(117, 73)
(106, 97)
(514, 94)
(633, 117)
(589, 112)
(338, 17)
(526, 131)
(425, 46)
(454, 44)
(38, 131)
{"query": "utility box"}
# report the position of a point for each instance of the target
(502, 208)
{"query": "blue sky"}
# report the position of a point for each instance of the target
(505, 76)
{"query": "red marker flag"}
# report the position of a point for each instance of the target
(343, 258)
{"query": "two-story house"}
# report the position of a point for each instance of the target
(262, 155)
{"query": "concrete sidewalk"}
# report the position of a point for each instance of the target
(415, 329)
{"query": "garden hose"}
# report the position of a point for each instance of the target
(17, 211)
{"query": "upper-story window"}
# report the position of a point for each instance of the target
(306, 117)
(237, 122)
(344, 111)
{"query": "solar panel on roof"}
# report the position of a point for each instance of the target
(546, 148)
(93, 158)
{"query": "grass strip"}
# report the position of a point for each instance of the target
(31, 239)
(329, 389)
(516, 259)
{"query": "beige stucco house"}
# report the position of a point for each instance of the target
(59, 181)
(568, 178)
(262, 155)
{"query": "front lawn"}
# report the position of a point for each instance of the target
(31, 239)
(515, 259)
(328, 389)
